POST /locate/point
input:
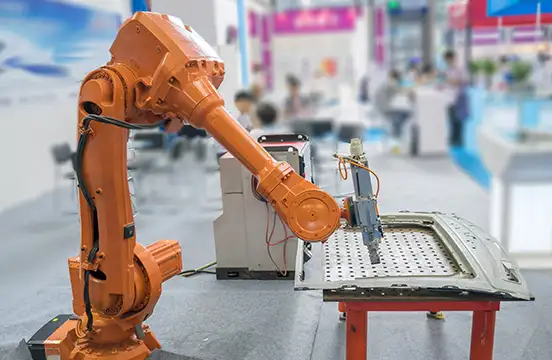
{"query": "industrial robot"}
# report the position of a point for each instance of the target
(160, 71)
(244, 248)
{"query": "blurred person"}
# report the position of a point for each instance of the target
(412, 72)
(541, 76)
(295, 103)
(384, 97)
(257, 92)
(244, 102)
(319, 87)
(503, 73)
(456, 83)
(364, 90)
(428, 75)
(269, 121)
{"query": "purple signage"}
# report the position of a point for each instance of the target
(315, 20)
(267, 51)
(484, 37)
(253, 20)
(527, 34)
(380, 36)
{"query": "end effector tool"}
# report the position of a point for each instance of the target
(361, 209)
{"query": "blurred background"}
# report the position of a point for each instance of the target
(452, 99)
(377, 66)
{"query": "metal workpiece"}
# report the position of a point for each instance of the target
(423, 255)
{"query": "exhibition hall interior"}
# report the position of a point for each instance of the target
(276, 179)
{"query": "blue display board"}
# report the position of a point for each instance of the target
(46, 44)
(517, 7)
(141, 5)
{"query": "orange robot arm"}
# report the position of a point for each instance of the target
(160, 70)
(180, 78)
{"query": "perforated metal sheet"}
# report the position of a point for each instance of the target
(428, 254)
(405, 251)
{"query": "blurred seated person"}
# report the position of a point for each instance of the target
(412, 73)
(257, 92)
(384, 97)
(245, 103)
(295, 103)
(428, 75)
(269, 122)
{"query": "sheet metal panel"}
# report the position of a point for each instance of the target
(423, 255)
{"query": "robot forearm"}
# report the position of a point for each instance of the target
(310, 213)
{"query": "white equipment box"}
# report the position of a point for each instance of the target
(248, 222)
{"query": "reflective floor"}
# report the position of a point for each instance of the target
(252, 320)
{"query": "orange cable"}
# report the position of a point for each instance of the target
(342, 167)
(269, 244)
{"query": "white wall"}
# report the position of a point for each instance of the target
(27, 132)
(210, 18)
(198, 14)
(360, 49)
(302, 55)
(232, 80)
(225, 15)
(35, 114)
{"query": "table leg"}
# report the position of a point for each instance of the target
(482, 340)
(357, 331)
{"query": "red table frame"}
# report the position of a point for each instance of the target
(483, 323)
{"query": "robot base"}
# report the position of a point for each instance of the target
(58, 340)
(23, 353)
(246, 274)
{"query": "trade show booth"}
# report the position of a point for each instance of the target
(521, 193)
(301, 46)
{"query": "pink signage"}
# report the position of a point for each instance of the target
(253, 20)
(380, 36)
(315, 20)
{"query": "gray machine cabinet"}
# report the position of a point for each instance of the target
(240, 232)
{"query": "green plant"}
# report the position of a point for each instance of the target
(475, 67)
(521, 71)
(488, 67)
